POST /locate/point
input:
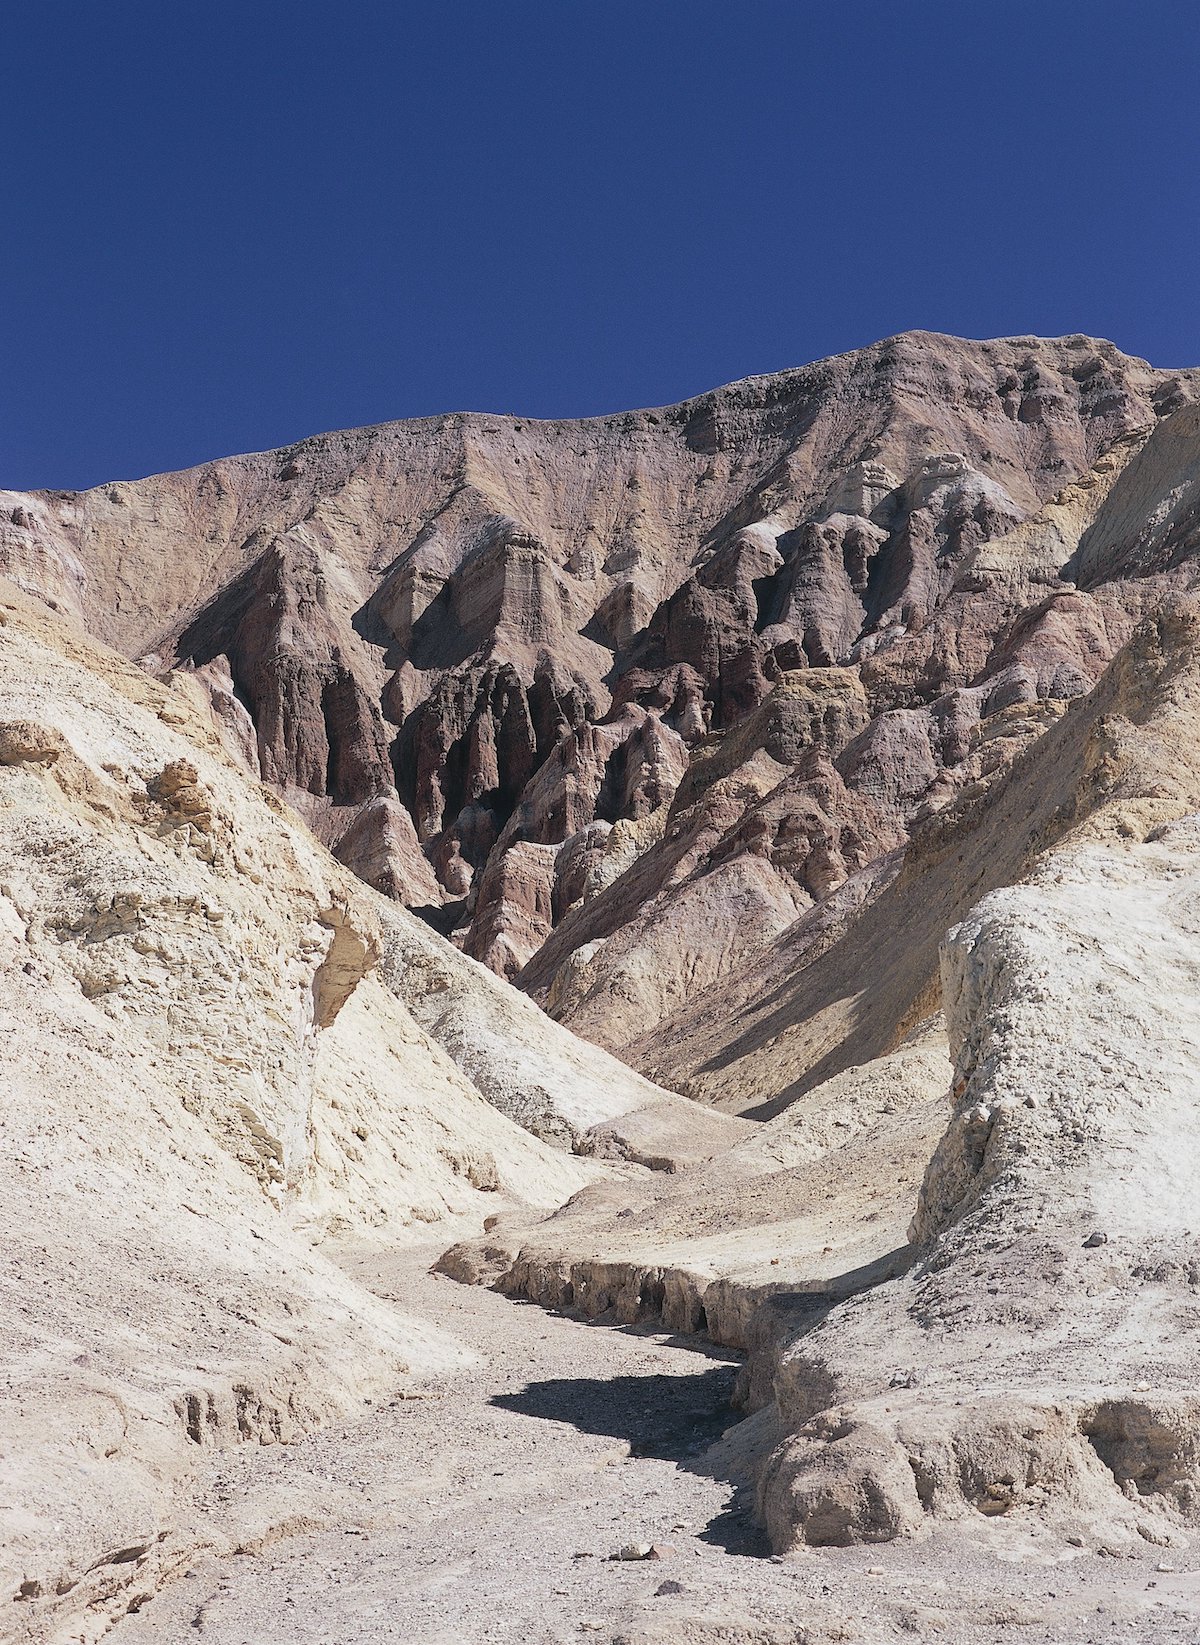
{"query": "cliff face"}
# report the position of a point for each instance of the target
(830, 737)
(615, 701)
(959, 1251)
(224, 1054)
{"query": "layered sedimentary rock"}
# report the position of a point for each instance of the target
(1039, 1352)
(851, 973)
(959, 1252)
(223, 1055)
(620, 699)
(825, 746)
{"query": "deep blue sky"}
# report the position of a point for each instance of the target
(230, 223)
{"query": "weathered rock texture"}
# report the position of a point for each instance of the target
(1041, 1350)
(967, 1288)
(212, 1072)
(826, 746)
(617, 701)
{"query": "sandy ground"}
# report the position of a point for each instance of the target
(486, 1511)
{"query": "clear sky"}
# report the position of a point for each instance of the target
(231, 223)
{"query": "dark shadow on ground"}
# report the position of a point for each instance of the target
(674, 1418)
(679, 1418)
(653, 1327)
(669, 1417)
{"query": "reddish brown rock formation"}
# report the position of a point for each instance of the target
(617, 700)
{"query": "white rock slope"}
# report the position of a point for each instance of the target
(208, 1070)
(1041, 1354)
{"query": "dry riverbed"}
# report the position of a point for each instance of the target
(486, 1509)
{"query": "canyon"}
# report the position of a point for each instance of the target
(725, 874)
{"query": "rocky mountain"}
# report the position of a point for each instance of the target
(825, 748)
(962, 1268)
(614, 702)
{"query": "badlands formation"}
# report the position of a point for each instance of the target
(729, 875)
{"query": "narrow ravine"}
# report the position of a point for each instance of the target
(486, 1510)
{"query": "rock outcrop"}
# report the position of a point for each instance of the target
(614, 702)
(825, 747)
(1040, 1350)
(216, 1069)
(959, 1254)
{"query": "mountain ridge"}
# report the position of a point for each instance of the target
(290, 447)
(830, 767)
(485, 656)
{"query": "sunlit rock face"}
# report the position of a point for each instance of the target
(722, 653)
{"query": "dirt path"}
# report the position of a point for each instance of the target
(486, 1512)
